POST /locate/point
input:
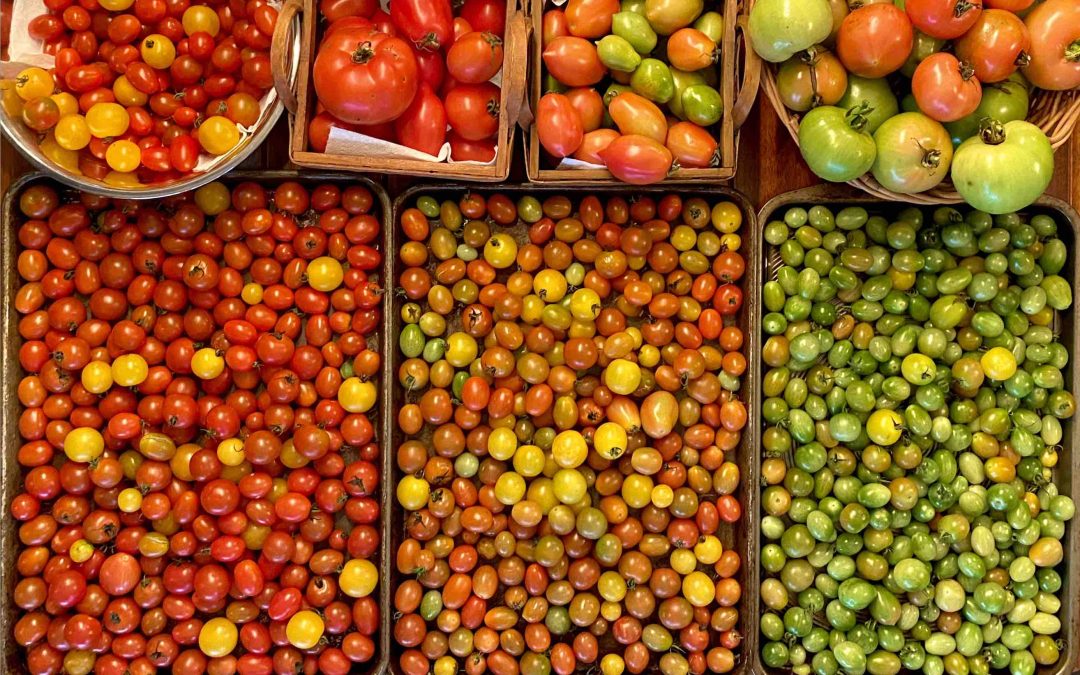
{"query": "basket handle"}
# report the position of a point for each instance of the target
(516, 58)
(280, 54)
(751, 74)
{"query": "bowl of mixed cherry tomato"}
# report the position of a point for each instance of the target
(568, 435)
(192, 477)
(146, 98)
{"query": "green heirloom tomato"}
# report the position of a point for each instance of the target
(876, 94)
(635, 29)
(1005, 168)
(913, 153)
(617, 53)
(835, 144)
(668, 16)
(1003, 101)
(780, 28)
(652, 79)
(702, 105)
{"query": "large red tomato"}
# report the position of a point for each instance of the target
(485, 15)
(559, 125)
(995, 46)
(943, 19)
(875, 40)
(945, 89)
(691, 145)
(590, 18)
(423, 124)
(475, 57)
(464, 150)
(1055, 45)
(574, 61)
(428, 23)
(473, 110)
(638, 160)
(338, 9)
(363, 76)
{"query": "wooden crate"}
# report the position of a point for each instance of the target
(738, 97)
(303, 103)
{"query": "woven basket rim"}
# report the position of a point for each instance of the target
(1057, 113)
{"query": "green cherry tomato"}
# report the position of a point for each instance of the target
(834, 143)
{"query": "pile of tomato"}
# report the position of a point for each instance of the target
(653, 59)
(570, 419)
(419, 75)
(199, 464)
(141, 89)
(969, 70)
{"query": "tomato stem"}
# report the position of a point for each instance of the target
(963, 7)
(1022, 60)
(363, 53)
(991, 131)
(858, 116)
(967, 71)
(1072, 52)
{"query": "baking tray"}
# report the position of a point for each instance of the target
(13, 655)
(736, 536)
(1068, 481)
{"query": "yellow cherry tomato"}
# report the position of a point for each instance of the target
(569, 449)
(80, 551)
(502, 443)
(126, 93)
(304, 628)
(79, 662)
(461, 349)
(612, 664)
(72, 132)
(649, 356)
(325, 274)
(96, 377)
(569, 485)
(252, 293)
(290, 457)
(358, 578)
(129, 500)
(67, 103)
(726, 217)
(708, 549)
(218, 637)
(356, 395)
(129, 370)
(610, 440)
(116, 5)
(231, 452)
(121, 179)
(123, 156)
(622, 376)
(413, 492)
(500, 250)
(207, 364)
(62, 157)
(683, 561)
(529, 461)
(509, 488)
(218, 135)
(84, 444)
(157, 51)
(550, 285)
(884, 427)
(445, 665)
(181, 461)
(107, 120)
(612, 586)
(662, 496)
(699, 589)
(200, 18)
(213, 198)
(637, 490)
(585, 304)
(998, 363)
(33, 83)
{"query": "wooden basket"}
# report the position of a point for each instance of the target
(738, 88)
(301, 105)
(1055, 112)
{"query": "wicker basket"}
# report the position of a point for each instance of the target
(1055, 112)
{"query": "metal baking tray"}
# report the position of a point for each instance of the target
(734, 536)
(1067, 480)
(13, 656)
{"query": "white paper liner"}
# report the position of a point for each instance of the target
(24, 51)
(570, 164)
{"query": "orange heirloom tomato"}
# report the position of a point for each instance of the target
(593, 144)
(590, 18)
(635, 114)
(691, 145)
(559, 125)
(638, 160)
(573, 61)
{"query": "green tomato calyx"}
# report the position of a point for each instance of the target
(991, 131)
(858, 116)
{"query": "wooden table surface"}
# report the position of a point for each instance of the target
(769, 164)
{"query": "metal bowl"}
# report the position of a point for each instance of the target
(26, 140)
